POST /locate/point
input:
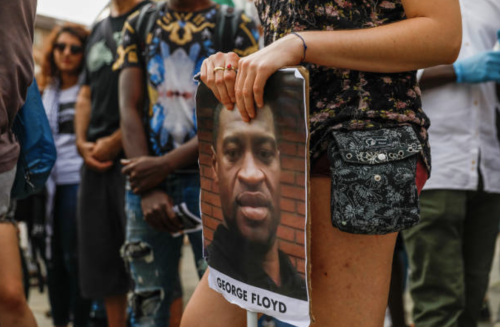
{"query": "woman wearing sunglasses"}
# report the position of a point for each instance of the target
(61, 67)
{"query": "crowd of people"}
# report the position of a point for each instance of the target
(120, 101)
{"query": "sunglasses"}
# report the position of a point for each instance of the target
(74, 49)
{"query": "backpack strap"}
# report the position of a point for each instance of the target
(226, 26)
(145, 22)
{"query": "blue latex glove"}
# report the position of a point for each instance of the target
(480, 68)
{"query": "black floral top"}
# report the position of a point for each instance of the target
(343, 98)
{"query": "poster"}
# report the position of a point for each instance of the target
(254, 199)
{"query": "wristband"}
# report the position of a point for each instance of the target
(304, 44)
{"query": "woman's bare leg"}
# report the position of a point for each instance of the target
(350, 276)
(14, 310)
(207, 308)
(351, 273)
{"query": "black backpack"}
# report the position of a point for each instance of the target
(226, 25)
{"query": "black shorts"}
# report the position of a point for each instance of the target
(101, 233)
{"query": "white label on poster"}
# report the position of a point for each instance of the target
(284, 308)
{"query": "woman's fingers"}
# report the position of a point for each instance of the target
(229, 81)
(231, 63)
(218, 72)
(258, 86)
(238, 89)
(210, 77)
(203, 71)
(220, 83)
(248, 92)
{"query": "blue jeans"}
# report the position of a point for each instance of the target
(62, 269)
(153, 256)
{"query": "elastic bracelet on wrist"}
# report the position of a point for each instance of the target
(303, 43)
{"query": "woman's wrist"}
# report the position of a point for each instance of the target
(293, 46)
(304, 46)
(297, 46)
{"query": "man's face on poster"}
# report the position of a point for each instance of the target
(247, 168)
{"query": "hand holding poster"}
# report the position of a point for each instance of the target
(253, 199)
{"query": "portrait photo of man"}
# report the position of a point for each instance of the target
(254, 191)
(247, 168)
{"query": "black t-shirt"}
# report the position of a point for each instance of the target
(98, 74)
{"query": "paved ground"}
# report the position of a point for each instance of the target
(39, 303)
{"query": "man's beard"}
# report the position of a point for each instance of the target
(257, 248)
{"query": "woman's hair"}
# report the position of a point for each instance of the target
(49, 72)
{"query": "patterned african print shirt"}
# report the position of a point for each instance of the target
(343, 98)
(175, 49)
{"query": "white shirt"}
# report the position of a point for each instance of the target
(463, 132)
(60, 109)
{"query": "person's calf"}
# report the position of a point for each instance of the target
(14, 310)
(12, 299)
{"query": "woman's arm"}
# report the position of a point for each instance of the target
(430, 36)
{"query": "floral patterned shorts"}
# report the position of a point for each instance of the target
(374, 180)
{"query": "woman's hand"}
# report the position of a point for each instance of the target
(221, 82)
(254, 70)
(246, 86)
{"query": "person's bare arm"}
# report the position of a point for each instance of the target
(131, 106)
(144, 171)
(437, 76)
(83, 109)
(430, 36)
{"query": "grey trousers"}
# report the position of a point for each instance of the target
(6, 182)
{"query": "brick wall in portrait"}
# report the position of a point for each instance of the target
(292, 147)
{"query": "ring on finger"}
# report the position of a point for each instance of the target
(216, 69)
(230, 67)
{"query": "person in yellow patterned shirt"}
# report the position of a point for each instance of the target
(160, 141)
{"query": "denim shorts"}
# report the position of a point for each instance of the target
(376, 176)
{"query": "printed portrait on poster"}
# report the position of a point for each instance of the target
(254, 198)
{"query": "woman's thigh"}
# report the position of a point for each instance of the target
(208, 308)
(350, 273)
(350, 276)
